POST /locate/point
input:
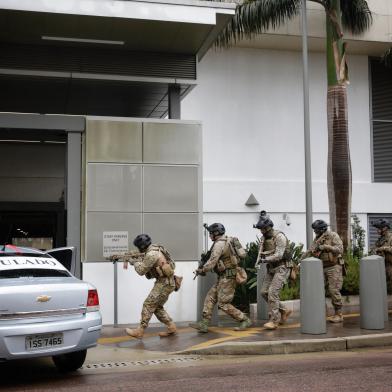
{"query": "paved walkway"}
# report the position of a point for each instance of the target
(190, 341)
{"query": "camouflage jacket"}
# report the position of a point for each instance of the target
(331, 256)
(148, 265)
(220, 252)
(275, 250)
(383, 247)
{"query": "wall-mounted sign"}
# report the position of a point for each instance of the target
(114, 242)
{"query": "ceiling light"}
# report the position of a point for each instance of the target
(82, 40)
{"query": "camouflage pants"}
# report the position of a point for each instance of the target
(388, 272)
(333, 278)
(270, 290)
(153, 304)
(222, 292)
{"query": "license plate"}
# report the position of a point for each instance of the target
(38, 342)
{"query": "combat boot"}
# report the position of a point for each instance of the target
(135, 333)
(201, 326)
(271, 325)
(171, 330)
(284, 315)
(244, 324)
(338, 318)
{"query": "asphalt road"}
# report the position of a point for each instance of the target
(362, 370)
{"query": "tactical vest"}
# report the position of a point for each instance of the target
(227, 263)
(269, 245)
(329, 259)
(164, 267)
(385, 240)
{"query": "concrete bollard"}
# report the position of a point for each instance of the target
(262, 304)
(204, 283)
(384, 290)
(372, 293)
(313, 320)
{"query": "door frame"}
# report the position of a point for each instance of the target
(74, 126)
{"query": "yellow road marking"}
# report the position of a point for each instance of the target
(231, 334)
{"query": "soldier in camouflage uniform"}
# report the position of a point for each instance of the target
(274, 251)
(328, 247)
(222, 262)
(154, 264)
(383, 247)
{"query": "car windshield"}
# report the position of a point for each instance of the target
(12, 250)
(33, 273)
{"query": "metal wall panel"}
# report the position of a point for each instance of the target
(98, 222)
(114, 141)
(170, 189)
(382, 151)
(381, 99)
(178, 232)
(98, 61)
(171, 143)
(113, 187)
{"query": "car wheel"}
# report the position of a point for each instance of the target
(71, 361)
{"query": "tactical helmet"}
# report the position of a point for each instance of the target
(319, 225)
(264, 222)
(381, 223)
(216, 229)
(142, 241)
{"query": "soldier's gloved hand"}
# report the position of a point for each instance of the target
(200, 271)
(132, 261)
(114, 258)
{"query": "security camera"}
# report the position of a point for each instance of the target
(288, 220)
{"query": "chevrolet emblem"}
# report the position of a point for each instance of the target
(43, 298)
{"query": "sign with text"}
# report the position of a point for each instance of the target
(114, 242)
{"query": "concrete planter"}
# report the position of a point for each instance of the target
(350, 305)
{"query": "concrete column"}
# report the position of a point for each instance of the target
(73, 195)
(372, 290)
(262, 304)
(313, 320)
(174, 101)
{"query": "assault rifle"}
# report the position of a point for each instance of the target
(315, 247)
(130, 257)
(261, 258)
(203, 260)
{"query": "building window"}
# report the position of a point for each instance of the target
(381, 101)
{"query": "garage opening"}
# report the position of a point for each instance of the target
(33, 187)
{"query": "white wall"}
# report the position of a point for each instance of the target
(133, 289)
(251, 106)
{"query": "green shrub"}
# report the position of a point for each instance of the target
(351, 279)
(358, 238)
(247, 293)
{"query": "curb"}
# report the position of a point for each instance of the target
(294, 346)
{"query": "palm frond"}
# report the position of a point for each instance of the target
(356, 15)
(386, 59)
(253, 17)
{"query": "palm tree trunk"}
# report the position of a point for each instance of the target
(339, 178)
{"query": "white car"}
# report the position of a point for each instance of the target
(44, 309)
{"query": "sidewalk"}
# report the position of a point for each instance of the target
(224, 340)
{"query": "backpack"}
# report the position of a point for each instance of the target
(236, 249)
(239, 253)
(167, 268)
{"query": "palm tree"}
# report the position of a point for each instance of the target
(253, 17)
(387, 58)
